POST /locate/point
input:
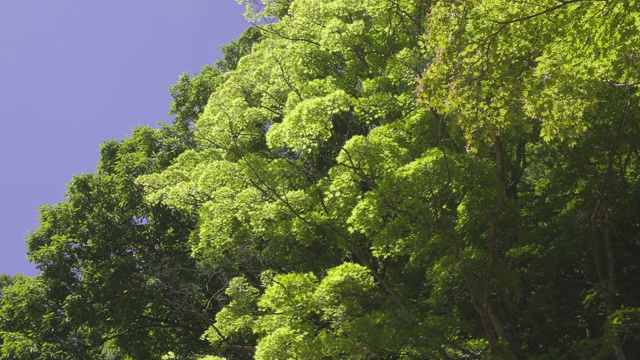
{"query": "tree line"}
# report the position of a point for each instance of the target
(363, 179)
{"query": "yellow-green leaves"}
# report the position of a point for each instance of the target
(298, 153)
(287, 313)
(309, 123)
(501, 66)
(341, 293)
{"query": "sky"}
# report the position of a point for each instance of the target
(75, 73)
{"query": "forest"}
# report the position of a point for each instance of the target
(362, 179)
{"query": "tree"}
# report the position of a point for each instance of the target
(466, 213)
(304, 141)
(190, 94)
(335, 187)
(23, 315)
(114, 270)
(117, 277)
(5, 281)
(546, 89)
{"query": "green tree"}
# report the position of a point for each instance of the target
(335, 187)
(25, 311)
(546, 92)
(117, 278)
(484, 218)
(310, 157)
(5, 281)
(190, 94)
(115, 271)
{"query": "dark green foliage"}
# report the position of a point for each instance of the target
(336, 188)
(114, 269)
(5, 281)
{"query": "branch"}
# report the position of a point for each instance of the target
(546, 11)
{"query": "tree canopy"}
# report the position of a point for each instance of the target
(378, 179)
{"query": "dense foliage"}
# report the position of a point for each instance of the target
(363, 179)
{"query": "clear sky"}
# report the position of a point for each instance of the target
(75, 73)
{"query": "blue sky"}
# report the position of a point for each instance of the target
(75, 73)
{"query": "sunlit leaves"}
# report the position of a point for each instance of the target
(291, 308)
(509, 64)
(308, 124)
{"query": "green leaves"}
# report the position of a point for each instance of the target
(309, 202)
(511, 65)
(298, 315)
(116, 273)
(308, 124)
